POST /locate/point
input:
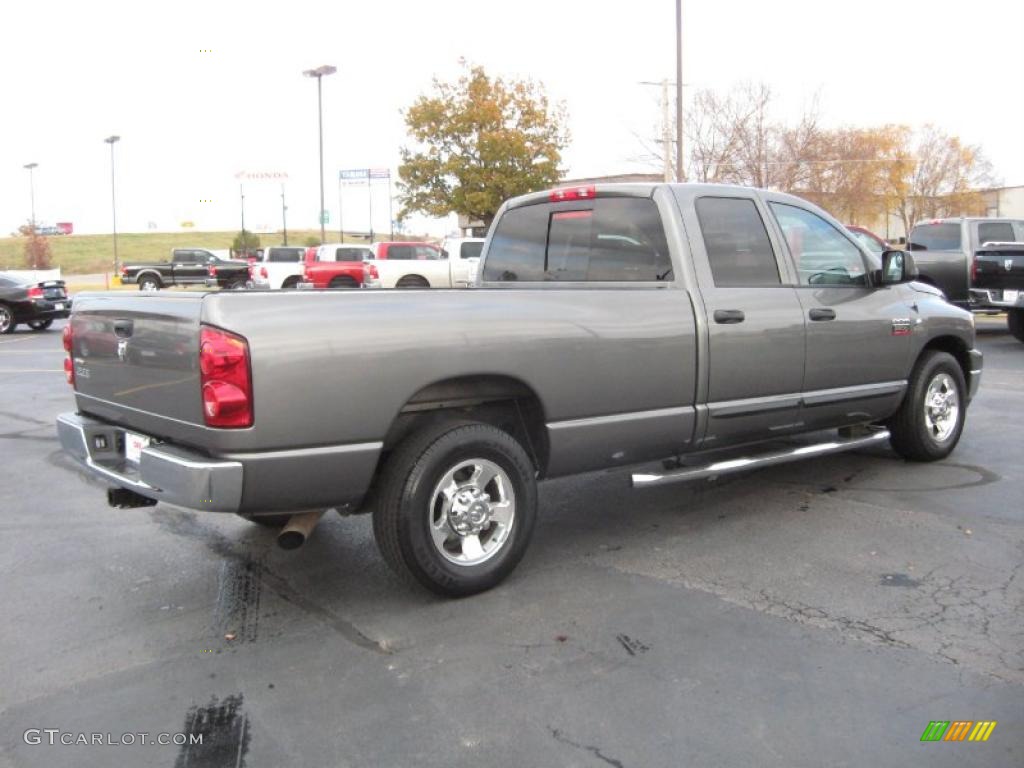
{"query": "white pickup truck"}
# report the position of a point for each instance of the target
(280, 267)
(421, 265)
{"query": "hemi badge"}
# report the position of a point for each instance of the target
(901, 326)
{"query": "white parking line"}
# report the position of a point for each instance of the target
(31, 370)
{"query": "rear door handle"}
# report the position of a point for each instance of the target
(726, 316)
(123, 328)
(822, 314)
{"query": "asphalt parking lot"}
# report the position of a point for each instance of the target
(817, 614)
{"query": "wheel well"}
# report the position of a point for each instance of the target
(501, 401)
(957, 348)
(413, 279)
(342, 280)
(291, 281)
(149, 273)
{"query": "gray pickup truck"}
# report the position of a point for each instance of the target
(675, 331)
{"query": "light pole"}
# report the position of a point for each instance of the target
(30, 167)
(241, 202)
(112, 140)
(679, 91)
(319, 74)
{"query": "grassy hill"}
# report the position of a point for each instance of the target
(86, 254)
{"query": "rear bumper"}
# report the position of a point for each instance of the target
(982, 298)
(165, 472)
(42, 310)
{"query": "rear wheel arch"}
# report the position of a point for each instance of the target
(412, 281)
(291, 282)
(504, 402)
(149, 275)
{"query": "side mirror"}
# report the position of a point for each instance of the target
(897, 267)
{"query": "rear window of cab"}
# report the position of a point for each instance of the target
(604, 240)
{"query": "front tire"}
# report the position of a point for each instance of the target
(40, 325)
(456, 507)
(1015, 322)
(928, 424)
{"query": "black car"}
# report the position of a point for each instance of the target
(37, 304)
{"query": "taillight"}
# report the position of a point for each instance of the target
(263, 273)
(587, 192)
(35, 292)
(124, 271)
(69, 363)
(212, 270)
(225, 378)
(370, 272)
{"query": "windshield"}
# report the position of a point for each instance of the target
(867, 241)
(935, 237)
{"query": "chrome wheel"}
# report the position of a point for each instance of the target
(941, 407)
(472, 511)
(6, 319)
(149, 285)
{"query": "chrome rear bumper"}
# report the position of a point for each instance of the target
(166, 473)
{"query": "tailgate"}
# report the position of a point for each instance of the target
(138, 355)
(1000, 267)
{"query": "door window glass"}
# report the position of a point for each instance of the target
(822, 254)
(736, 241)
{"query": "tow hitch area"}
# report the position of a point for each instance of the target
(122, 498)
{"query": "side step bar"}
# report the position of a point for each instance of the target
(728, 466)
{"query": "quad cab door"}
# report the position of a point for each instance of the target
(858, 334)
(754, 321)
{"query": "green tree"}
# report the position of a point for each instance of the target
(479, 141)
(245, 241)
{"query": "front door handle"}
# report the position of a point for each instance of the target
(726, 316)
(822, 314)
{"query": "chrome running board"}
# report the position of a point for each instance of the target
(728, 466)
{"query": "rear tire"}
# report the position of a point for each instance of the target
(290, 283)
(451, 477)
(236, 285)
(7, 324)
(1015, 322)
(928, 424)
(412, 281)
(40, 325)
(268, 521)
(343, 282)
(149, 283)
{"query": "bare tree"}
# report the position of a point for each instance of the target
(943, 179)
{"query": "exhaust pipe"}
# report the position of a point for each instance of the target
(298, 528)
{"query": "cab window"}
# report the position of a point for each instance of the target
(822, 254)
(736, 241)
(603, 240)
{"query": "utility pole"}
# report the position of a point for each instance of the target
(679, 91)
(666, 132)
(284, 215)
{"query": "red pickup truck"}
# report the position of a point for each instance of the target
(339, 265)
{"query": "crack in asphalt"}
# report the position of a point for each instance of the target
(181, 523)
(595, 751)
